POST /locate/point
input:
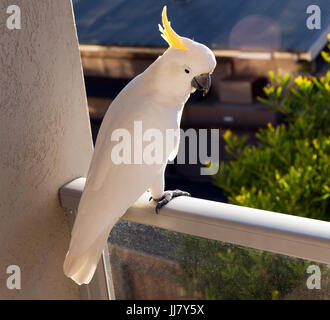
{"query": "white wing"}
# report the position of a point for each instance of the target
(110, 189)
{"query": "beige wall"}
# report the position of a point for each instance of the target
(45, 141)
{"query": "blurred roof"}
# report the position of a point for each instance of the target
(255, 25)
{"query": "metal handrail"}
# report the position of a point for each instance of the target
(259, 229)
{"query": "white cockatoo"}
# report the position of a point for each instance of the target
(155, 98)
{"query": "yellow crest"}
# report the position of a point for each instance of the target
(169, 35)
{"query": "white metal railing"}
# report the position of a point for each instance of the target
(275, 232)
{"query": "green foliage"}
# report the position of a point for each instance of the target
(287, 171)
(326, 55)
(212, 270)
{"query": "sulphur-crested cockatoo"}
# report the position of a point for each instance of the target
(156, 99)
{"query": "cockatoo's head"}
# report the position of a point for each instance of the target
(186, 64)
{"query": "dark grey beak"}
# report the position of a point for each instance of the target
(202, 83)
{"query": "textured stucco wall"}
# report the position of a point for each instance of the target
(45, 141)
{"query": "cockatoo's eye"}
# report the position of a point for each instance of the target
(186, 70)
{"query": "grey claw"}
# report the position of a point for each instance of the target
(167, 197)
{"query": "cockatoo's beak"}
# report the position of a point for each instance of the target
(202, 82)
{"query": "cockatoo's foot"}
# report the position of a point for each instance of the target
(167, 197)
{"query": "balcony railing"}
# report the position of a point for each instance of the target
(270, 231)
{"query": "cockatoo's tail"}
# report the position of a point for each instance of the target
(155, 98)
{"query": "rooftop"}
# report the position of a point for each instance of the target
(228, 25)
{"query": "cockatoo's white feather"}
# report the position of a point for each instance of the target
(156, 98)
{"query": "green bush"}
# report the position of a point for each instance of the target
(213, 270)
(287, 171)
(324, 54)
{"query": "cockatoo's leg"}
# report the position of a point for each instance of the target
(168, 196)
(163, 197)
(158, 186)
